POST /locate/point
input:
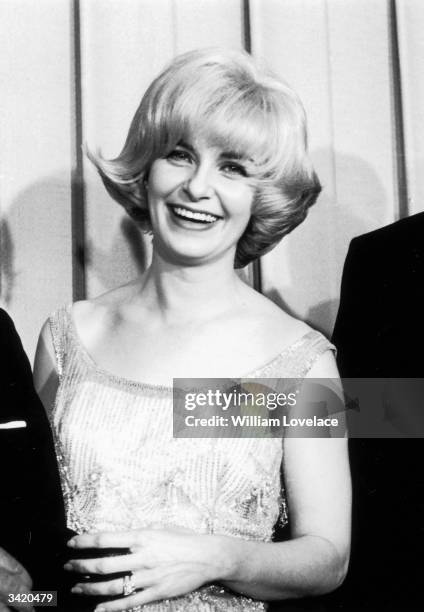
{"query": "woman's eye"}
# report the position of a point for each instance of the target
(179, 155)
(236, 169)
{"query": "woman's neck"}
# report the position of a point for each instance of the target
(191, 293)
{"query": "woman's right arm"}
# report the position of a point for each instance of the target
(46, 378)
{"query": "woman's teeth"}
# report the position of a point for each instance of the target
(194, 216)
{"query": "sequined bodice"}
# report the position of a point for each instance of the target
(122, 469)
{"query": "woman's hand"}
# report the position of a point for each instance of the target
(163, 563)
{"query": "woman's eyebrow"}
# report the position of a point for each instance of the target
(185, 145)
(233, 155)
(236, 156)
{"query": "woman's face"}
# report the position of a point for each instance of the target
(200, 200)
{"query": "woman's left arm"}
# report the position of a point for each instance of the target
(171, 563)
(318, 486)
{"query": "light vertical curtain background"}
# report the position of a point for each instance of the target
(74, 72)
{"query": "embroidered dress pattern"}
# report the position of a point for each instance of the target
(122, 469)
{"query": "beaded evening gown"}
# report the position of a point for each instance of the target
(122, 469)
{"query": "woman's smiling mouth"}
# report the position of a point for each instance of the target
(195, 216)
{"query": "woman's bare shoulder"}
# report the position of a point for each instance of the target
(95, 313)
(274, 319)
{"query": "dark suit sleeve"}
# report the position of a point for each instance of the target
(375, 333)
(32, 514)
(351, 330)
(16, 365)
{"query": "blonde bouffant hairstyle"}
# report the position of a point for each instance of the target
(226, 97)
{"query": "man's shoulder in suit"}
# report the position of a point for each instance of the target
(7, 328)
(16, 366)
(379, 328)
(408, 232)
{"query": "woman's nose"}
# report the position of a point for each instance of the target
(199, 184)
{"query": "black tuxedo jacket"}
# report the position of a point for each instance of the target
(32, 522)
(379, 330)
(379, 333)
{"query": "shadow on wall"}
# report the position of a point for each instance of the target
(7, 270)
(317, 249)
(36, 245)
(34, 240)
(127, 257)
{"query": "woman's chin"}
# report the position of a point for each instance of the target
(191, 257)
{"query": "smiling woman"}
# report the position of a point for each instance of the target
(257, 124)
(199, 203)
(215, 166)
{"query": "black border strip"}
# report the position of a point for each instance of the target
(247, 36)
(247, 42)
(402, 176)
(77, 174)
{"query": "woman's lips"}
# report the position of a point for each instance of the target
(195, 216)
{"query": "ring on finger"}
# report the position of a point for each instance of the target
(128, 587)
